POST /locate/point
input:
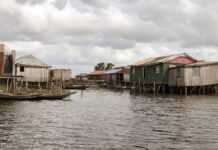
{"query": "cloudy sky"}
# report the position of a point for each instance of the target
(80, 33)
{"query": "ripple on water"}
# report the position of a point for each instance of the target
(103, 119)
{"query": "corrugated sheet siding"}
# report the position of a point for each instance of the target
(148, 74)
(8, 67)
(34, 74)
(138, 75)
(60, 74)
(176, 77)
(208, 75)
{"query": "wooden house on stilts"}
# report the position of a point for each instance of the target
(33, 70)
(151, 75)
(196, 78)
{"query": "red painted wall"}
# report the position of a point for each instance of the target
(182, 60)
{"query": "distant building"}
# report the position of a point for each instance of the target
(117, 76)
(7, 61)
(155, 70)
(60, 74)
(82, 76)
(114, 77)
(32, 69)
(97, 75)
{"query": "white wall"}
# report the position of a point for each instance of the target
(208, 76)
(33, 74)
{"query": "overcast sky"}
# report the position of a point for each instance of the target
(80, 33)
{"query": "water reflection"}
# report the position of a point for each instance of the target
(103, 119)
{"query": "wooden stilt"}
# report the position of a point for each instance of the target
(186, 91)
(8, 85)
(154, 88)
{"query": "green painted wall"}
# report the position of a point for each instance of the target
(148, 74)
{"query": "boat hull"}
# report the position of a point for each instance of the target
(35, 97)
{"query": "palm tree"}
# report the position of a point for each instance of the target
(100, 66)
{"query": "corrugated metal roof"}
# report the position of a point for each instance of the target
(97, 72)
(162, 59)
(113, 71)
(30, 60)
(202, 63)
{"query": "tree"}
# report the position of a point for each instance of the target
(100, 66)
(109, 66)
(104, 66)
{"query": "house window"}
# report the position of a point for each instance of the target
(157, 69)
(196, 72)
(21, 68)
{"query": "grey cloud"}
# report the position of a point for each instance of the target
(30, 1)
(115, 27)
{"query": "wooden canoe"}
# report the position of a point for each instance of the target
(5, 96)
(54, 97)
(17, 97)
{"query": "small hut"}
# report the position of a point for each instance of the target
(97, 75)
(32, 69)
(114, 77)
(60, 74)
(118, 76)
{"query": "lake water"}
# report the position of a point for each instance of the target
(109, 120)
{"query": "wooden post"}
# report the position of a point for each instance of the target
(186, 91)
(216, 90)
(8, 85)
(154, 88)
(204, 90)
(39, 85)
(26, 85)
(14, 86)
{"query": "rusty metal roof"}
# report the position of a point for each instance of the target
(161, 59)
(202, 63)
(97, 72)
(113, 71)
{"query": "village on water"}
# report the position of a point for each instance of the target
(28, 77)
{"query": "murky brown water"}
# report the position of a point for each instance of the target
(107, 120)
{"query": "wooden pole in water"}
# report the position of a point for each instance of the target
(216, 90)
(7, 84)
(186, 91)
(154, 87)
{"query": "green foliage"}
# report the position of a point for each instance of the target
(104, 66)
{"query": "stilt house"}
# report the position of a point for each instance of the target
(118, 76)
(114, 77)
(155, 70)
(32, 69)
(197, 74)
